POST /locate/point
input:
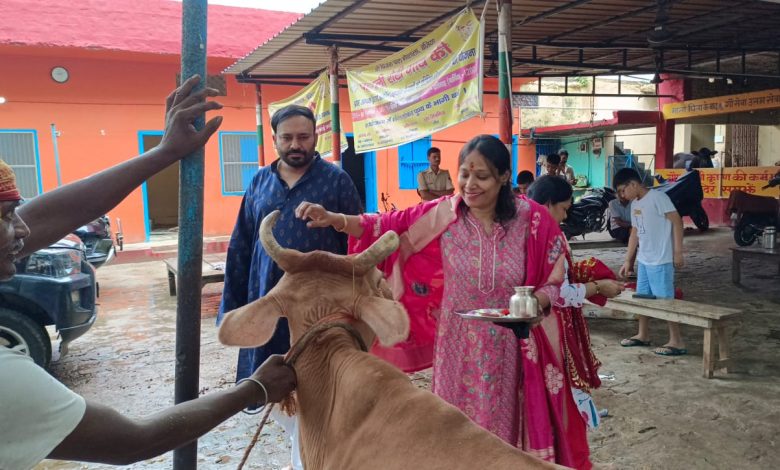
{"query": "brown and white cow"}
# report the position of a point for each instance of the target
(357, 411)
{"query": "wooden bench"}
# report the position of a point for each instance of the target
(595, 244)
(213, 270)
(740, 253)
(713, 319)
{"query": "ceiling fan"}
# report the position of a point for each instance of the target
(661, 33)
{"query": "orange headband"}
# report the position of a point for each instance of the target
(8, 189)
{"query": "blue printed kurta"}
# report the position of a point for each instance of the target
(249, 272)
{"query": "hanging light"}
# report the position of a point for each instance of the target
(656, 79)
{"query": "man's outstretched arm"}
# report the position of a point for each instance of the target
(105, 436)
(56, 213)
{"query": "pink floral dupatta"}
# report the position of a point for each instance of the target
(415, 275)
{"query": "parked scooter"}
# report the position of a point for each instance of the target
(752, 214)
(588, 215)
(686, 194)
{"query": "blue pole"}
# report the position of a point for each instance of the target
(56, 154)
(190, 263)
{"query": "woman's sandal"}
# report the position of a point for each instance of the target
(632, 342)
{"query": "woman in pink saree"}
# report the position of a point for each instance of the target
(468, 251)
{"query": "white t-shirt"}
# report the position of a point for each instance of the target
(648, 216)
(36, 411)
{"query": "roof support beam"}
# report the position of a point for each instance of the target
(352, 45)
(646, 47)
(614, 69)
(359, 37)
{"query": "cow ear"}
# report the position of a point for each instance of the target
(387, 318)
(251, 325)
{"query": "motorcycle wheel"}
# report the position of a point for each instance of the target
(700, 219)
(745, 234)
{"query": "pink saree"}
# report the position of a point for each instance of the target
(516, 389)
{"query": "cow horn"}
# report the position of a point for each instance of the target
(284, 257)
(376, 253)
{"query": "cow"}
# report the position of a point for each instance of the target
(355, 410)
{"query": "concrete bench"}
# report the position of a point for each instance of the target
(714, 320)
(213, 270)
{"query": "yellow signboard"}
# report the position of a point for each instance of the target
(765, 99)
(316, 97)
(431, 85)
(720, 182)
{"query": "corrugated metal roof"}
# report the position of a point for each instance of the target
(146, 26)
(584, 36)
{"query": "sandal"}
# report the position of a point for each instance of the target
(632, 342)
(670, 351)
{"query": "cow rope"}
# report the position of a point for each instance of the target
(297, 349)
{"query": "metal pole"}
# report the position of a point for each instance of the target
(54, 137)
(193, 62)
(259, 119)
(505, 73)
(334, 103)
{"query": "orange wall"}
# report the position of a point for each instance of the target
(111, 96)
(99, 111)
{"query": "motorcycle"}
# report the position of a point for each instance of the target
(686, 194)
(97, 240)
(752, 214)
(588, 214)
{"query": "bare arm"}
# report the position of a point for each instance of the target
(428, 195)
(105, 436)
(677, 237)
(620, 222)
(319, 217)
(54, 214)
(633, 243)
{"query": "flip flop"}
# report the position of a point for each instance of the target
(632, 342)
(670, 351)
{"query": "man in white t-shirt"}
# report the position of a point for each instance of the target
(39, 416)
(657, 231)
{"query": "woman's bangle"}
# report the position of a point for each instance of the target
(343, 227)
(262, 387)
(598, 289)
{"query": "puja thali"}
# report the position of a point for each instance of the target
(496, 315)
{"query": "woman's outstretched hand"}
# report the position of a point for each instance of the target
(316, 215)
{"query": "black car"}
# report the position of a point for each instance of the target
(53, 286)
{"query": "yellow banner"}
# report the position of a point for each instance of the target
(765, 99)
(720, 182)
(316, 97)
(433, 84)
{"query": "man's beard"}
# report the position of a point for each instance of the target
(298, 162)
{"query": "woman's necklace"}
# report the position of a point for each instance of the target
(479, 230)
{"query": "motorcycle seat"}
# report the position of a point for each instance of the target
(740, 201)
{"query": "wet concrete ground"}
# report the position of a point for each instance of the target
(662, 412)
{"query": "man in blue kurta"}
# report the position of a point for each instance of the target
(299, 174)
